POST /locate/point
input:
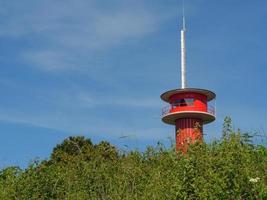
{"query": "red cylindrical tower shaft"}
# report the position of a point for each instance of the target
(188, 131)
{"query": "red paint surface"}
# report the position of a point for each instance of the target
(188, 131)
(199, 104)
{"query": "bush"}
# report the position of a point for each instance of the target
(231, 168)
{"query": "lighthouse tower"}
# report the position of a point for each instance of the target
(189, 108)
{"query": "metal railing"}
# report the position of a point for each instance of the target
(212, 109)
(171, 108)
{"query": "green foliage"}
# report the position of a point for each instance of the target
(227, 128)
(231, 168)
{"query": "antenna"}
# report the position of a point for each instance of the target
(183, 16)
(183, 52)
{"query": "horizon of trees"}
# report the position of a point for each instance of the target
(232, 167)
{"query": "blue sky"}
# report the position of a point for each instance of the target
(97, 68)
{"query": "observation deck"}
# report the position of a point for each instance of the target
(189, 103)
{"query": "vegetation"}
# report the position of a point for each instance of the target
(231, 168)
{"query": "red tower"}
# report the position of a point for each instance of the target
(189, 109)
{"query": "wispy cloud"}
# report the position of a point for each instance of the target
(87, 100)
(78, 111)
(61, 29)
(56, 36)
(49, 60)
(74, 123)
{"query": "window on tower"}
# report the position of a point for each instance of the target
(183, 102)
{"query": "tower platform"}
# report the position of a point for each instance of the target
(189, 102)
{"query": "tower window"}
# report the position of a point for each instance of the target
(183, 102)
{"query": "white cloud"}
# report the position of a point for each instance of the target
(60, 28)
(77, 111)
(49, 60)
(69, 123)
(86, 100)
(63, 35)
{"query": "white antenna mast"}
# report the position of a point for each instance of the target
(183, 53)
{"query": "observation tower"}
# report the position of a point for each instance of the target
(189, 108)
